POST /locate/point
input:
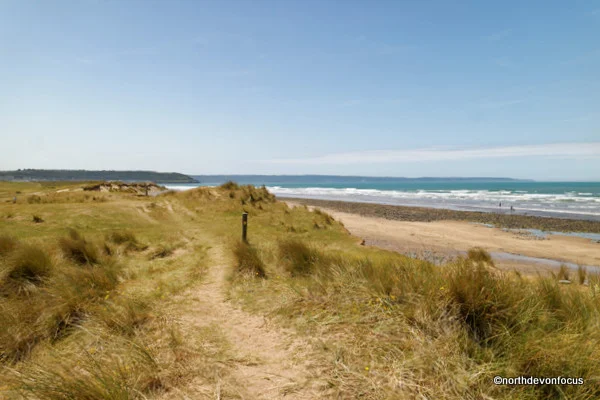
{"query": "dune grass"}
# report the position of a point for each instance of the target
(84, 316)
(248, 261)
(93, 314)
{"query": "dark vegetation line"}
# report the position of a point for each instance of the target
(84, 175)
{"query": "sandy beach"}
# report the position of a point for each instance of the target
(443, 239)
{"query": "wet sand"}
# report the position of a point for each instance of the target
(443, 239)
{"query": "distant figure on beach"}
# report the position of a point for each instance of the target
(500, 205)
(512, 208)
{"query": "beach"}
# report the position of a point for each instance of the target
(439, 235)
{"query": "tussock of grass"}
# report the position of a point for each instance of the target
(70, 294)
(229, 185)
(486, 302)
(127, 239)
(121, 237)
(480, 257)
(129, 371)
(563, 273)
(581, 274)
(7, 245)
(161, 251)
(298, 257)
(328, 219)
(125, 316)
(34, 199)
(79, 250)
(248, 261)
(28, 264)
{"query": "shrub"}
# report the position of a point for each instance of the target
(29, 264)
(248, 261)
(298, 257)
(76, 248)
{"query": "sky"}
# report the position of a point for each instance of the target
(375, 88)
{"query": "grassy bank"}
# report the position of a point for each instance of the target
(96, 302)
(421, 214)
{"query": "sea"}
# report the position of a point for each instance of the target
(577, 200)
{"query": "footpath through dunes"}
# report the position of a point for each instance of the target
(267, 361)
(439, 240)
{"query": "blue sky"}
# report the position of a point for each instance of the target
(400, 88)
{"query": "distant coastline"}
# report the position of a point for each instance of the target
(86, 175)
(340, 179)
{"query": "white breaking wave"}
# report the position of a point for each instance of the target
(570, 203)
(567, 203)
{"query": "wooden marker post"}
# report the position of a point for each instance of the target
(245, 226)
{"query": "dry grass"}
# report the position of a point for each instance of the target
(298, 257)
(78, 249)
(390, 326)
(162, 251)
(28, 264)
(126, 239)
(7, 245)
(248, 262)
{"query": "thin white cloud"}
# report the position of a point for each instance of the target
(554, 150)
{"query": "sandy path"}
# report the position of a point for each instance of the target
(450, 237)
(272, 363)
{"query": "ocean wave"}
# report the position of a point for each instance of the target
(565, 203)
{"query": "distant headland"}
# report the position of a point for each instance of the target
(85, 175)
